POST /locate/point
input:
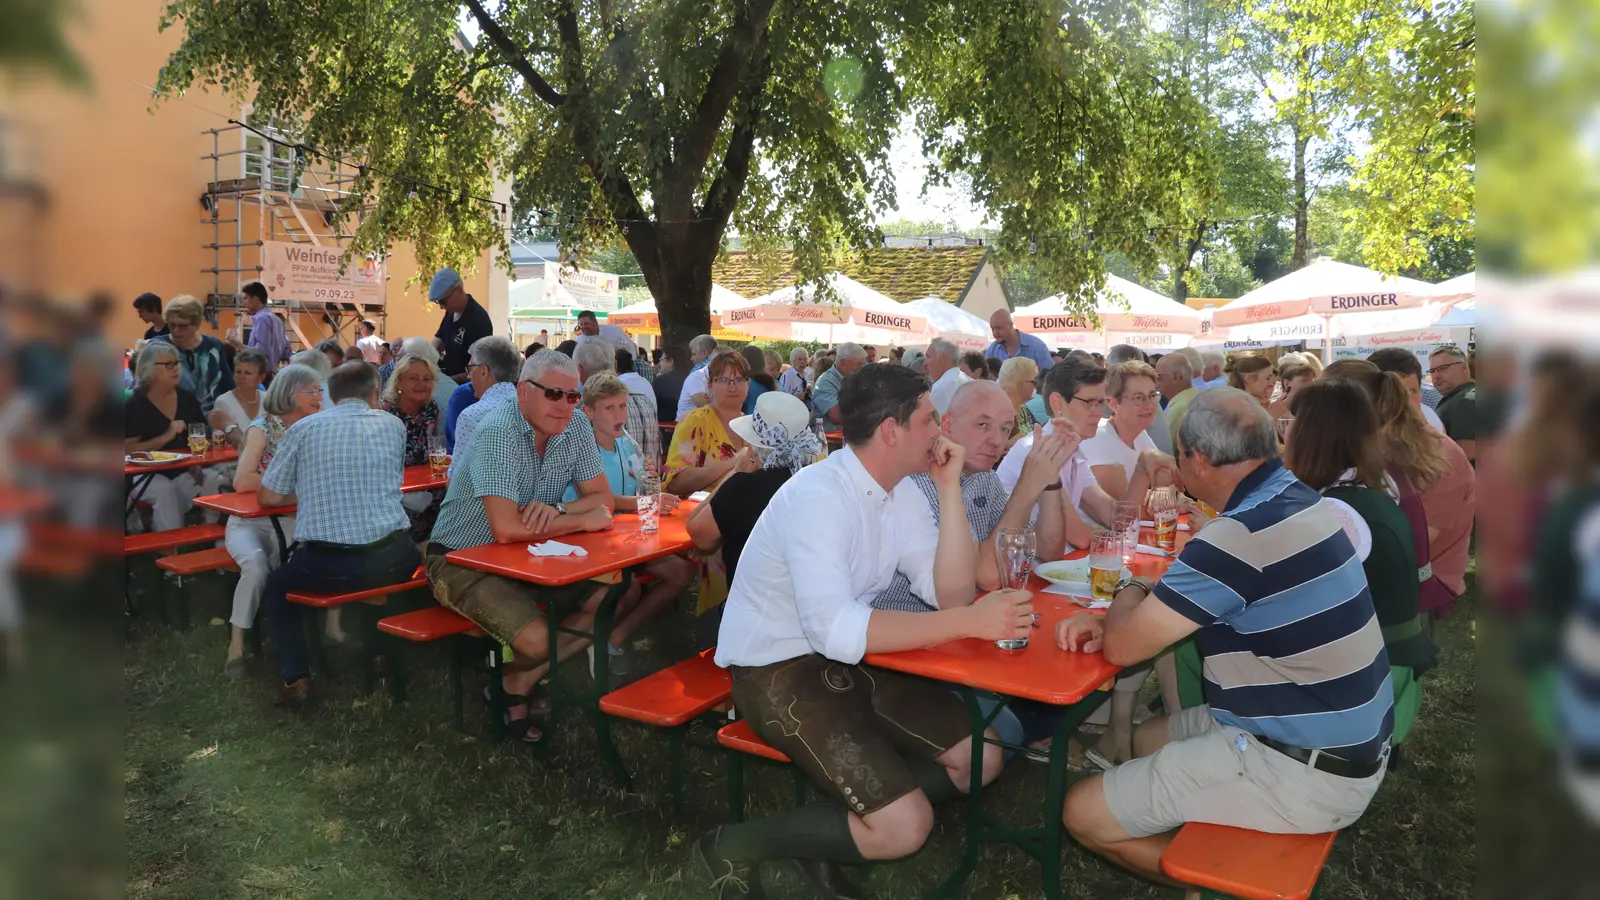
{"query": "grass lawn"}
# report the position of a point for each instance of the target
(227, 798)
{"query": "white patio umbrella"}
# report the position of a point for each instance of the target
(859, 314)
(644, 315)
(948, 321)
(1129, 314)
(1457, 289)
(1303, 304)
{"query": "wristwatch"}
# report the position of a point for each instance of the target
(1144, 583)
(561, 507)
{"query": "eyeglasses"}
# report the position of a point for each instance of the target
(1437, 369)
(1092, 403)
(1140, 398)
(167, 363)
(732, 382)
(553, 394)
(311, 392)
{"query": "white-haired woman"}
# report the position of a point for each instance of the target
(1017, 376)
(409, 396)
(296, 392)
(203, 359)
(157, 417)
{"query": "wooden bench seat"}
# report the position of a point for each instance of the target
(156, 541)
(1247, 865)
(324, 600)
(672, 696)
(197, 562)
(431, 624)
(737, 735)
(54, 562)
(58, 535)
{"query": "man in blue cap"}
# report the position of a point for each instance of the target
(465, 321)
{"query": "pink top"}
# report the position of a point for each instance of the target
(1450, 503)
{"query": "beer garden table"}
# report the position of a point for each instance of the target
(1040, 672)
(621, 549)
(245, 506)
(142, 473)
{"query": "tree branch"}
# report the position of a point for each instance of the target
(728, 186)
(515, 57)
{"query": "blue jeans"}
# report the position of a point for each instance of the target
(308, 568)
(1006, 725)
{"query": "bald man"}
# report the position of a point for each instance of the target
(1009, 342)
(1175, 381)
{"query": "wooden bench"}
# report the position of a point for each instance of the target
(59, 563)
(183, 565)
(1223, 862)
(740, 738)
(156, 541)
(669, 699)
(95, 541)
(377, 596)
(437, 623)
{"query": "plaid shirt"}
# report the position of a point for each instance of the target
(644, 369)
(503, 462)
(644, 427)
(495, 396)
(985, 499)
(344, 468)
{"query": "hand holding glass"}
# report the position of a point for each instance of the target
(1014, 553)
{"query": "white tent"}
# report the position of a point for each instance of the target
(1129, 314)
(857, 313)
(1324, 288)
(645, 315)
(950, 322)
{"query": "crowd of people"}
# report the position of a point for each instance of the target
(1330, 519)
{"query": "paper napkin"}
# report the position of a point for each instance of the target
(556, 548)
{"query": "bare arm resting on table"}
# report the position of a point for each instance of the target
(994, 616)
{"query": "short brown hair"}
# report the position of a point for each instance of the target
(1240, 366)
(602, 386)
(1296, 364)
(1117, 376)
(723, 361)
(1335, 430)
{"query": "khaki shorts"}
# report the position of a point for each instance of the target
(501, 606)
(1202, 775)
(850, 727)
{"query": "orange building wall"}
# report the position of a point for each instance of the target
(124, 180)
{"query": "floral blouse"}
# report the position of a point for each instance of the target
(700, 439)
(274, 429)
(419, 428)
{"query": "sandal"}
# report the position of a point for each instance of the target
(524, 730)
(537, 702)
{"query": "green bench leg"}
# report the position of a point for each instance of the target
(459, 647)
(735, 786)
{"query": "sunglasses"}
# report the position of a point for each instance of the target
(554, 394)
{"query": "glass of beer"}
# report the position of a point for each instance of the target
(1014, 551)
(1125, 522)
(648, 502)
(199, 438)
(1164, 511)
(438, 457)
(1284, 424)
(1105, 563)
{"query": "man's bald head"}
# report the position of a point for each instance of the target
(1174, 375)
(980, 419)
(1000, 326)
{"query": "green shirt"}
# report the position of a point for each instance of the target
(1458, 410)
(1391, 568)
(1176, 407)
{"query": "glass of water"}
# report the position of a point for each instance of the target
(1014, 552)
(648, 502)
(1125, 523)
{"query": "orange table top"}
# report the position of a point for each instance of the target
(23, 502)
(1040, 671)
(245, 506)
(210, 458)
(621, 546)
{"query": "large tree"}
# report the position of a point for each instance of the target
(668, 122)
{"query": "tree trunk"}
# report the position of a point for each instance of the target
(1302, 205)
(676, 261)
(1191, 246)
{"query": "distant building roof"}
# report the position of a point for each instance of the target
(903, 273)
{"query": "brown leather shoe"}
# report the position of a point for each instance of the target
(294, 696)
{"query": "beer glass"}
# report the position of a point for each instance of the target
(1164, 511)
(1284, 424)
(199, 438)
(1125, 522)
(1014, 550)
(438, 457)
(648, 502)
(1105, 563)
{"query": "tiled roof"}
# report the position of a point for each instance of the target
(905, 273)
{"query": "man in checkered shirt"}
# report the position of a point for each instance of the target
(507, 489)
(343, 469)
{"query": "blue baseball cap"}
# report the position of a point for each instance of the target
(444, 281)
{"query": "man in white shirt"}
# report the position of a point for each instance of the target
(694, 392)
(370, 345)
(944, 373)
(1211, 373)
(882, 747)
(793, 380)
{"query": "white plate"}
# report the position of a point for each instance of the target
(1069, 571)
(165, 459)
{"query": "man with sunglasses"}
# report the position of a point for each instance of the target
(1458, 408)
(506, 488)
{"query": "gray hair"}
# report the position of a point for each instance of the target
(797, 353)
(252, 357)
(327, 344)
(316, 359)
(1196, 361)
(1122, 353)
(391, 391)
(594, 354)
(419, 346)
(704, 343)
(286, 388)
(1179, 365)
(1227, 426)
(546, 361)
(144, 368)
(848, 350)
(1450, 350)
(1212, 358)
(944, 348)
(497, 353)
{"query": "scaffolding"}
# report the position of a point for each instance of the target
(276, 194)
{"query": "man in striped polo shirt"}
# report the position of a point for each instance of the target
(1294, 737)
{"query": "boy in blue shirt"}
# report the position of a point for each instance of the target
(605, 402)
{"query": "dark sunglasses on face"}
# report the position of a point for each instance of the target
(554, 394)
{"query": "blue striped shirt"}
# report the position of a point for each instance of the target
(344, 468)
(1292, 647)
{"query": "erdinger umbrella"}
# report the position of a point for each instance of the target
(856, 313)
(645, 318)
(1128, 313)
(948, 321)
(1302, 304)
